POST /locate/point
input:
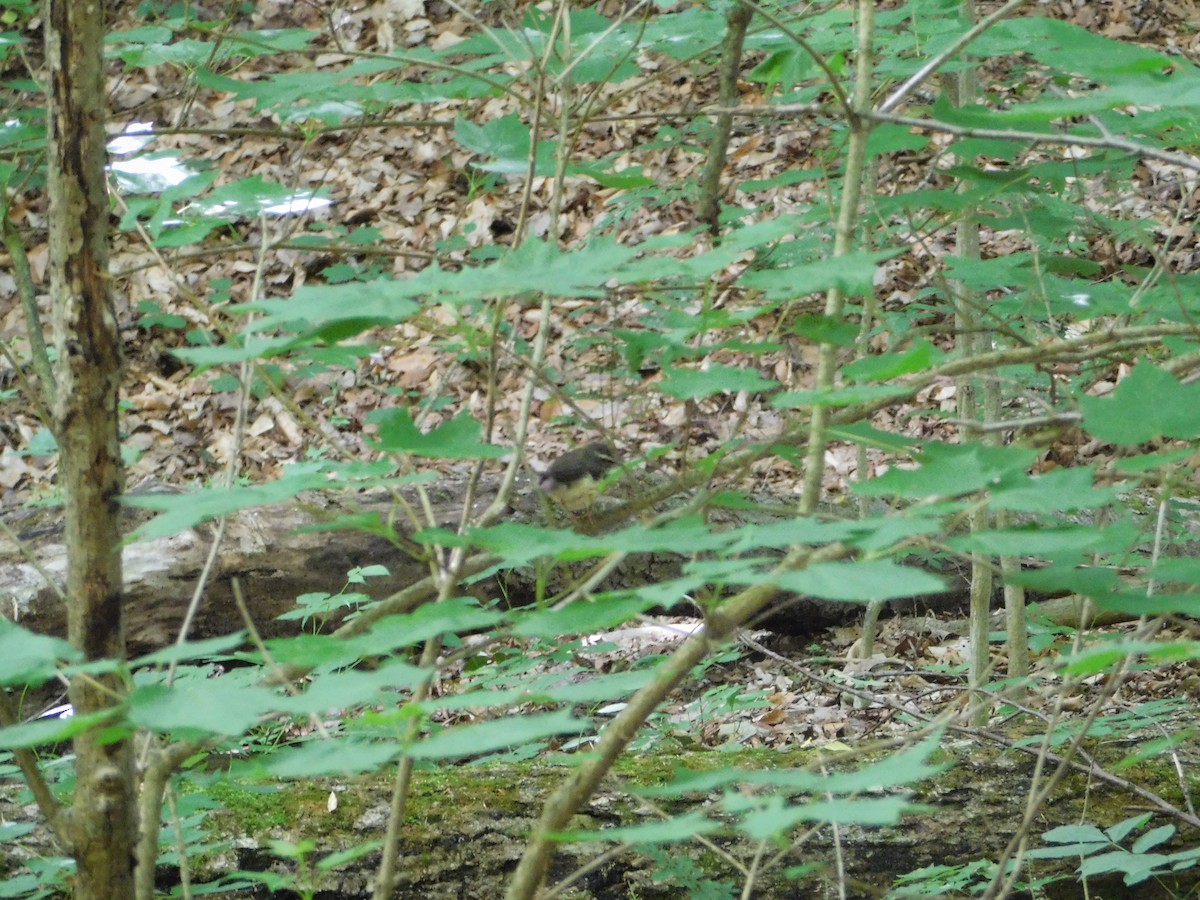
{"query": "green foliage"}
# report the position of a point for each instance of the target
(525, 687)
(1104, 851)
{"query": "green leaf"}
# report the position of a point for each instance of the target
(316, 757)
(838, 396)
(342, 690)
(519, 543)
(853, 273)
(669, 831)
(950, 470)
(776, 817)
(183, 511)
(824, 330)
(590, 690)
(460, 438)
(921, 356)
(866, 435)
(334, 312)
(450, 616)
(205, 649)
(1135, 867)
(903, 768)
(505, 141)
(340, 858)
(1149, 403)
(1075, 834)
(1069, 48)
(196, 708)
(788, 533)
(694, 384)
(27, 658)
(861, 582)
(486, 737)
(1120, 831)
(581, 617)
(628, 178)
(1153, 838)
(1138, 604)
(249, 198)
(783, 68)
(1036, 540)
(1100, 657)
(50, 731)
(1061, 490)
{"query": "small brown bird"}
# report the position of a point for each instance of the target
(571, 479)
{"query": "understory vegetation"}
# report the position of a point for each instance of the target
(875, 304)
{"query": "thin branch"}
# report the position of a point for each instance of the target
(936, 62)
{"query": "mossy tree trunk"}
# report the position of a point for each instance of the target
(102, 823)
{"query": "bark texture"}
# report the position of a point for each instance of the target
(102, 822)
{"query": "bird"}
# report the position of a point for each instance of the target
(571, 480)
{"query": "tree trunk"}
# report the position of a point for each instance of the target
(102, 823)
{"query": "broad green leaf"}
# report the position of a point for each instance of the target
(1067, 851)
(1184, 568)
(460, 438)
(668, 831)
(541, 266)
(626, 179)
(903, 768)
(486, 737)
(332, 312)
(839, 396)
(1152, 838)
(1071, 840)
(776, 818)
(1148, 462)
(1067, 577)
(866, 435)
(1136, 867)
(1099, 657)
(29, 658)
(1158, 604)
(314, 650)
(581, 617)
(183, 511)
(824, 330)
(249, 198)
(1061, 490)
(340, 858)
(1035, 540)
(1126, 827)
(923, 355)
(195, 708)
(50, 731)
(204, 649)
(450, 616)
(1069, 48)
(743, 569)
(519, 543)
(861, 582)
(1148, 404)
(316, 757)
(950, 470)
(504, 142)
(783, 68)
(548, 687)
(342, 690)
(694, 384)
(853, 273)
(789, 533)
